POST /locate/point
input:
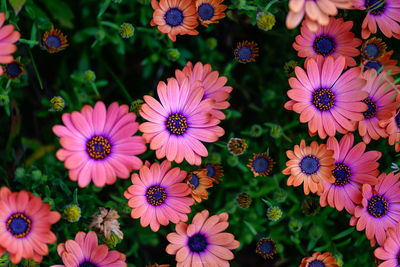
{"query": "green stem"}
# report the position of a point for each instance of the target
(29, 42)
(120, 84)
(35, 68)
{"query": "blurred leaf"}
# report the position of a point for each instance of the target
(17, 5)
(60, 11)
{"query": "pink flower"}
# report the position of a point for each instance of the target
(158, 195)
(25, 223)
(8, 36)
(335, 40)
(385, 13)
(392, 128)
(325, 98)
(203, 242)
(214, 86)
(381, 105)
(176, 126)
(97, 144)
(85, 251)
(389, 251)
(353, 168)
(379, 208)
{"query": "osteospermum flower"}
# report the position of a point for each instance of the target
(334, 39)
(386, 62)
(237, 146)
(266, 247)
(25, 223)
(158, 195)
(325, 98)
(373, 49)
(379, 208)
(173, 18)
(214, 85)
(210, 11)
(392, 129)
(203, 242)
(13, 70)
(261, 164)
(388, 253)
(381, 105)
(214, 171)
(353, 168)
(198, 181)
(54, 40)
(385, 13)
(246, 52)
(97, 144)
(309, 165)
(85, 251)
(319, 260)
(7, 39)
(175, 128)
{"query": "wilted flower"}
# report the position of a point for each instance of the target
(106, 222)
(72, 213)
(243, 200)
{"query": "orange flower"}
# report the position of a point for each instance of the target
(198, 182)
(310, 165)
(175, 17)
(385, 61)
(54, 40)
(210, 11)
(318, 259)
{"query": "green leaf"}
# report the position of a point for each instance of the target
(17, 5)
(343, 234)
(251, 227)
(104, 8)
(60, 11)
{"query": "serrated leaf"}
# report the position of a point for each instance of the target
(17, 5)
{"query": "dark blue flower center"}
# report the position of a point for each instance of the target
(156, 195)
(176, 124)
(244, 53)
(323, 99)
(397, 119)
(372, 50)
(173, 17)
(342, 174)
(19, 225)
(53, 41)
(260, 164)
(194, 180)
(197, 243)
(13, 69)
(373, 65)
(309, 164)
(210, 171)
(371, 111)
(87, 264)
(375, 7)
(98, 147)
(316, 263)
(206, 11)
(377, 206)
(267, 246)
(324, 45)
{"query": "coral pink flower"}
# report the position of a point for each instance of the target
(97, 144)
(8, 36)
(25, 223)
(389, 251)
(85, 251)
(385, 13)
(381, 106)
(326, 99)
(214, 86)
(335, 40)
(353, 168)
(385, 61)
(319, 260)
(159, 195)
(180, 122)
(203, 242)
(392, 128)
(379, 208)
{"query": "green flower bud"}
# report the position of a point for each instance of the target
(4, 99)
(256, 130)
(276, 131)
(89, 76)
(19, 173)
(36, 175)
(295, 225)
(232, 161)
(173, 54)
(315, 232)
(211, 43)
(280, 195)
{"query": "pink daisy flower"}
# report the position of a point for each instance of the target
(97, 144)
(159, 195)
(214, 86)
(203, 242)
(389, 251)
(25, 223)
(8, 36)
(326, 98)
(85, 251)
(334, 39)
(353, 168)
(176, 126)
(392, 128)
(381, 105)
(385, 13)
(379, 208)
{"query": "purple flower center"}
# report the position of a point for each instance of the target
(173, 17)
(197, 243)
(373, 65)
(375, 7)
(377, 206)
(316, 263)
(19, 225)
(13, 69)
(397, 119)
(324, 45)
(323, 99)
(98, 147)
(309, 164)
(156, 195)
(53, 41)
(371, 111)
(194, 180)
(176, 124)
(372, 50)
(210, 171)
(206, 11)
(260, 164)
(87, 264)
(342, 174)
(244, 53)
